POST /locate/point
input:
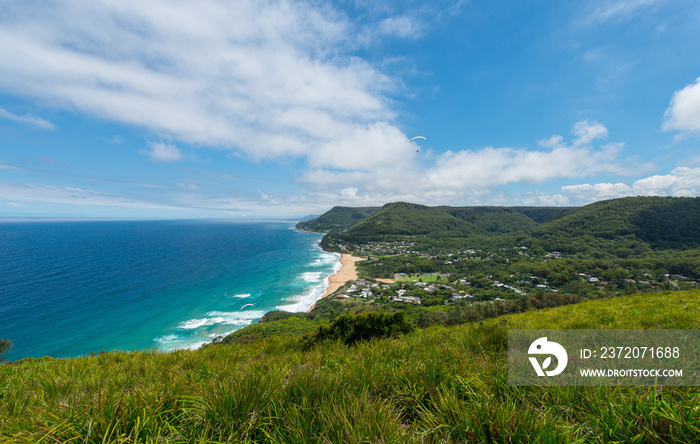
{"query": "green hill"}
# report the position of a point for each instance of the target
(631, 224)
(408, 219)
(504, 220)
(435, 385)
(625, 227)
(494, 220)
(337, 218)
(543, 214)
(402, 218)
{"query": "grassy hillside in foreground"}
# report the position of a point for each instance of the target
(439, 385)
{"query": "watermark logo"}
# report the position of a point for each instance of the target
(543, 347)
(603, 357)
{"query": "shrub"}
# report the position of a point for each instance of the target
(427, 318)
(5, 346)
(351, 329)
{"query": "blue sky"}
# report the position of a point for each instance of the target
(259, 109)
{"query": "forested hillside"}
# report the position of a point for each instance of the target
(337, 218)
(624, 227)
(407, 219)
(494, 220)
(412, 219)
(542, 214)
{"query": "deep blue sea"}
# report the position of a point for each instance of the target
(69, 288)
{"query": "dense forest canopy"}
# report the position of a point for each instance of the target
(337, 218)
(624, 227)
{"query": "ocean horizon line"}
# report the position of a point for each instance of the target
(5, 219)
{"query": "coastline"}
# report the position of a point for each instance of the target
(346, 273)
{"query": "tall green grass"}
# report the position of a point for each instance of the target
(438, 385)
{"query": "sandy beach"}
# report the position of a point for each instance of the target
(346, 273)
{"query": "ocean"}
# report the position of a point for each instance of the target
(68, 288)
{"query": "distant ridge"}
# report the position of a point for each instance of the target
(622, 227)
(402, 218)
(337, 218)
(655, 222)
(408, 219)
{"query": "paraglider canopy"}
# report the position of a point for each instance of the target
(417, 137)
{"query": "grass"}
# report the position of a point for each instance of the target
(427, 278)
(438, 385)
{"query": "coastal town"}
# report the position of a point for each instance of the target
(396, 272)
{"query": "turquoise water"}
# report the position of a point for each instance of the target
(71, 288)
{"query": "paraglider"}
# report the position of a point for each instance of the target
(417, 137)
(246, 306)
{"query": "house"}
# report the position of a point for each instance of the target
(407, 299)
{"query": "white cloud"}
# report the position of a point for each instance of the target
(590, 193)
(471, 176)
(190, 186)
(5, 166)
(498, 166)
(400, 26)
(267, 78)
(31, 192)
(541, 199)
(683, 113)
(552, 142)
(163, 152)
(586, 132)
(27, 119)
(682, 181)
(349, 192)
(620, 9)
(365, 148)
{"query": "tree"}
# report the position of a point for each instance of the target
(352, 329)
(5, 346)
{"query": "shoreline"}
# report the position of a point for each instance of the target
(347, 272)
